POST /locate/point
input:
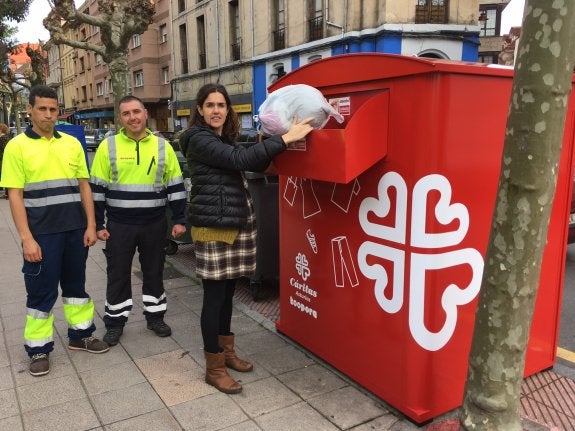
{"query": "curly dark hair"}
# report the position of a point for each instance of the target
(231, 129)
(41, 91)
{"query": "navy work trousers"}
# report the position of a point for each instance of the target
(125, 239)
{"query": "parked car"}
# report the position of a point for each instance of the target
(94, 138)
(91, 144)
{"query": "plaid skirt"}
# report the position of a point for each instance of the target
(216, 260)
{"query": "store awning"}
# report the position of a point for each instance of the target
(65, 115)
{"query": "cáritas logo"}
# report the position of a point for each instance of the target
(390, 293)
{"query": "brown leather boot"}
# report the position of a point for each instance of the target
(217, 374)
(226, 342)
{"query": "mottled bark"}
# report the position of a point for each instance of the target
(118, 21)
(535, 123)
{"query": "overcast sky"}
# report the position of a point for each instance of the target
(32, 29)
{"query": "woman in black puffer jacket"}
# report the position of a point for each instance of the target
(222, 218)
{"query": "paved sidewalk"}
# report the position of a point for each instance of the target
(152, 383)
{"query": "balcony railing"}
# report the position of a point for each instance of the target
(315, 28)
(431, 13)
(279, 39)
(236, 51)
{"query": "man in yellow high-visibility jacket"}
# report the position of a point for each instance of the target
(135, 175)
(45, 174)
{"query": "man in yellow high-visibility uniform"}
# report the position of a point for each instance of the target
(45, 174)
(135, 176)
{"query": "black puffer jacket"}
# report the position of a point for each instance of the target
(218, 195)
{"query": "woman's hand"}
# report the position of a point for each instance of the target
(297, 130)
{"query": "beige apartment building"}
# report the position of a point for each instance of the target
(492, 41)
(85, 80)
(246, 45)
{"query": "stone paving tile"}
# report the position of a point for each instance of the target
(125, 403)
(85, 361)
(13, 423)
(381, 423)
(284, 359)
(76, 415)
(8, 403)
(347, 407)
(4, 357)
(13, 309)
(166, 364)
(154, 421)
(261, 341)
(181, 387)
(6, 381)
(242, 324)
(244, 426)
(212, 412)
(48, 392)
(187, 321)
(141, 342)
(60, 366)
(299, 417)
(190, 296)
(258, 373)
(311, 381)
(265, 396)
(112, 378)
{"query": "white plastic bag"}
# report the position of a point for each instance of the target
(277, 112)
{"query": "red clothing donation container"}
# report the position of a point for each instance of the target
(385, 219)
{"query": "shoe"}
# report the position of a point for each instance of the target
(89, 344)
(113, 334)
(160, 328)
(226, 342)
(217, 374)
(39, 364)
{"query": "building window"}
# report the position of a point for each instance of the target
(166, 75)
(184, 47)
(201, 42)
(315, 20)
(235, 38)
(489, 20)
(139, 78)
(488, 57)
(99, 89)
(107, 85)
(431, 11)
(136, 41)
(278, 72)
(84, 93)
(181, 5)
(163, 33)
(279, 25)
(82, 66)
(97, 59)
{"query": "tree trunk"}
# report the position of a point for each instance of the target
(119, 71)
(534, 134)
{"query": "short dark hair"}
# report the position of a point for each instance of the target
(231, 129)
(41, 91)
(130, 98)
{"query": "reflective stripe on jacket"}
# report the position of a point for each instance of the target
(133, 181)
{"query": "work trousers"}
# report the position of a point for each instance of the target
(125, 239)
(216, 311)
(63, 263)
